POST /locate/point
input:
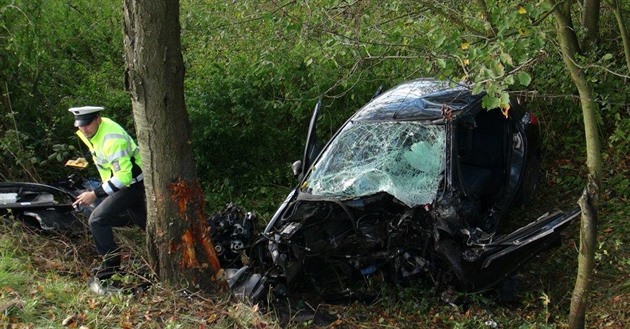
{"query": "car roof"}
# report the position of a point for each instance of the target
(421, 99)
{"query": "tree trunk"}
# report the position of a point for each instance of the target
(179, 246)
(589, 200)
(590, 22)
(616, 5)
(586, 256)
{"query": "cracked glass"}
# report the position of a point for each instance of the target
(404, 159)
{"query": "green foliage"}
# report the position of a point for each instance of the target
(254, 71)
(262, 82)
(19, 159)
(619, 140)
(54, 55)
(617, 158)
(11, 269)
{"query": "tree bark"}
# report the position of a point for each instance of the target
(586, 256)
(590, 22)
(178, 242)
(616, 6)
(589, 200)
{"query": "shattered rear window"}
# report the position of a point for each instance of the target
(404, 159)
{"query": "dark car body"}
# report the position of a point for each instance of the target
(47, 207)
(417, 181)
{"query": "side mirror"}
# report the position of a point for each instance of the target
(297, 168)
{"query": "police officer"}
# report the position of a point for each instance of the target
(117, 158)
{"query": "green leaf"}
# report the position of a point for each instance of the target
(477, 88)
(490, 102)
(440, 41)
(523, 78)
(441, 63)
(505, 100)
(509, 80)
(607, 57)
(497, 69)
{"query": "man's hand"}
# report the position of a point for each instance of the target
(85, 198)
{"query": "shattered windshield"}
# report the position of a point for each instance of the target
(404, 159)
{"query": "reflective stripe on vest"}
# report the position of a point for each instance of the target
(101, 143)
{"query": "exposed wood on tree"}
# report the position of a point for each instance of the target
(180, 249)
(586, 259)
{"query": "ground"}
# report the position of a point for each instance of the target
(43, 283)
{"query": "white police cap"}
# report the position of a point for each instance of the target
(85, 114)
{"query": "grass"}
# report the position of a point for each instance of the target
(43, 284)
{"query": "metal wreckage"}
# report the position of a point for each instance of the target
(416, 183)
(46, 207)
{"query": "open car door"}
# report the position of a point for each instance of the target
(482, 263)
(312, 147)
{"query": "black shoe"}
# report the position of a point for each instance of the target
(108, 267)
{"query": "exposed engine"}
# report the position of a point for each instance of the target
(336, 244)
(232, 232)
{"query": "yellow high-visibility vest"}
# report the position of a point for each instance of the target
(114, 152)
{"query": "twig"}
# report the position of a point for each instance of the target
(17, 136)
(26, 170)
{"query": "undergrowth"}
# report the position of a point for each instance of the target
(43, 283)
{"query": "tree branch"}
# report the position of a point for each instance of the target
(453, 19)
(590, 21)
(616, 7)
(488, 18)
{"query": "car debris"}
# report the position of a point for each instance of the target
(416, 183)
(46, 207)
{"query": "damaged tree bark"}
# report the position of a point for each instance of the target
(179, 246)
(586, 256)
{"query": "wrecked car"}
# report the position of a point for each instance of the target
(417, 182)
(46, 207)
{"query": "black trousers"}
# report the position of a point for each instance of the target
(110, 213)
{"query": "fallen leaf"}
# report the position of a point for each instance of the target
(69, 320)
(212, 318)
